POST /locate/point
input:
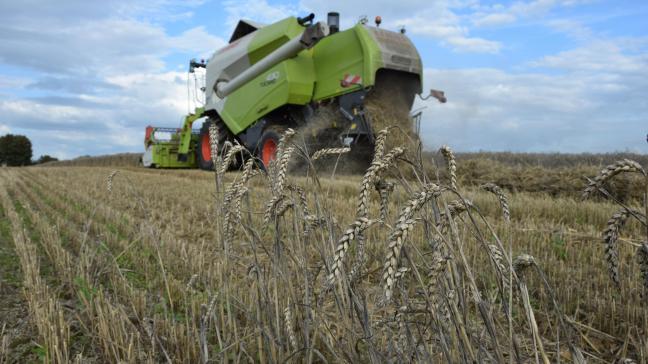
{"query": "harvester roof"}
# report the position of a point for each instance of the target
(243, 28)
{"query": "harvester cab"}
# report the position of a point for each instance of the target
(337, 86)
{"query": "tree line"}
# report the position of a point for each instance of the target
(16, 150)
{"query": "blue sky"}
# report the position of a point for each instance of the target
(83, 77)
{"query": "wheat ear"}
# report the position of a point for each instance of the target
(289, 326)
(436, 270)
(455, 208)
(622, 166)
(271, 207)
(282, 169)
(610, 237)
(303, 201)
(642, 260)
(379, 144)
(328, 151)
(356, 228)
(498, 259)
(213, 143)
(371, 176)
(278, 167)
(399, 233)
(451, 163)
(384, 189)
(497, 191)
(228, 157)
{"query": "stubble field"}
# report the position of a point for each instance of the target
(125, 264)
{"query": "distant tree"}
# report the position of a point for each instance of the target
(15, 150)
(45, 158)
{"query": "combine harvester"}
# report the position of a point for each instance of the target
(272, 77)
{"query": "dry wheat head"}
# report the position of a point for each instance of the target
(237, 148)
(109, 180)
(642, 260)
(451, 163)
(610, 237)
(497, 191)
(356, 228)
(213, 142)
(622, 166)
(371, 176)
(328, 151)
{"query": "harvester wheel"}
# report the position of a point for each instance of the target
(267, 147)
(203, 149)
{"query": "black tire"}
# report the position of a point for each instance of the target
(266, 149)
(203, 148)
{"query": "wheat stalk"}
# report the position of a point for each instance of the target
(622, 166)
(520, 265)
(328, 151)
(497, 191)
(451, 163)
(610, 237)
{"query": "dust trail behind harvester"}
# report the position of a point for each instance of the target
(391, 108)
(385, 109)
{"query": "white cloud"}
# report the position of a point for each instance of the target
(10, 82)
(257, 10)
(438, 20)
(96, 72)
(572, 28)
(593, 104)
(464, 44)
(197, 40)
(604, 55)
(494, 19)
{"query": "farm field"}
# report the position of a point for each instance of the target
(125, 264)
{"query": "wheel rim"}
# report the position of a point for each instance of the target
(205, 147)
(269, 151)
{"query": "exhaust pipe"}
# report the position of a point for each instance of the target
(333, 20)
(307, 39)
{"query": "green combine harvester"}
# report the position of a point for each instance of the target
(272, 77)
